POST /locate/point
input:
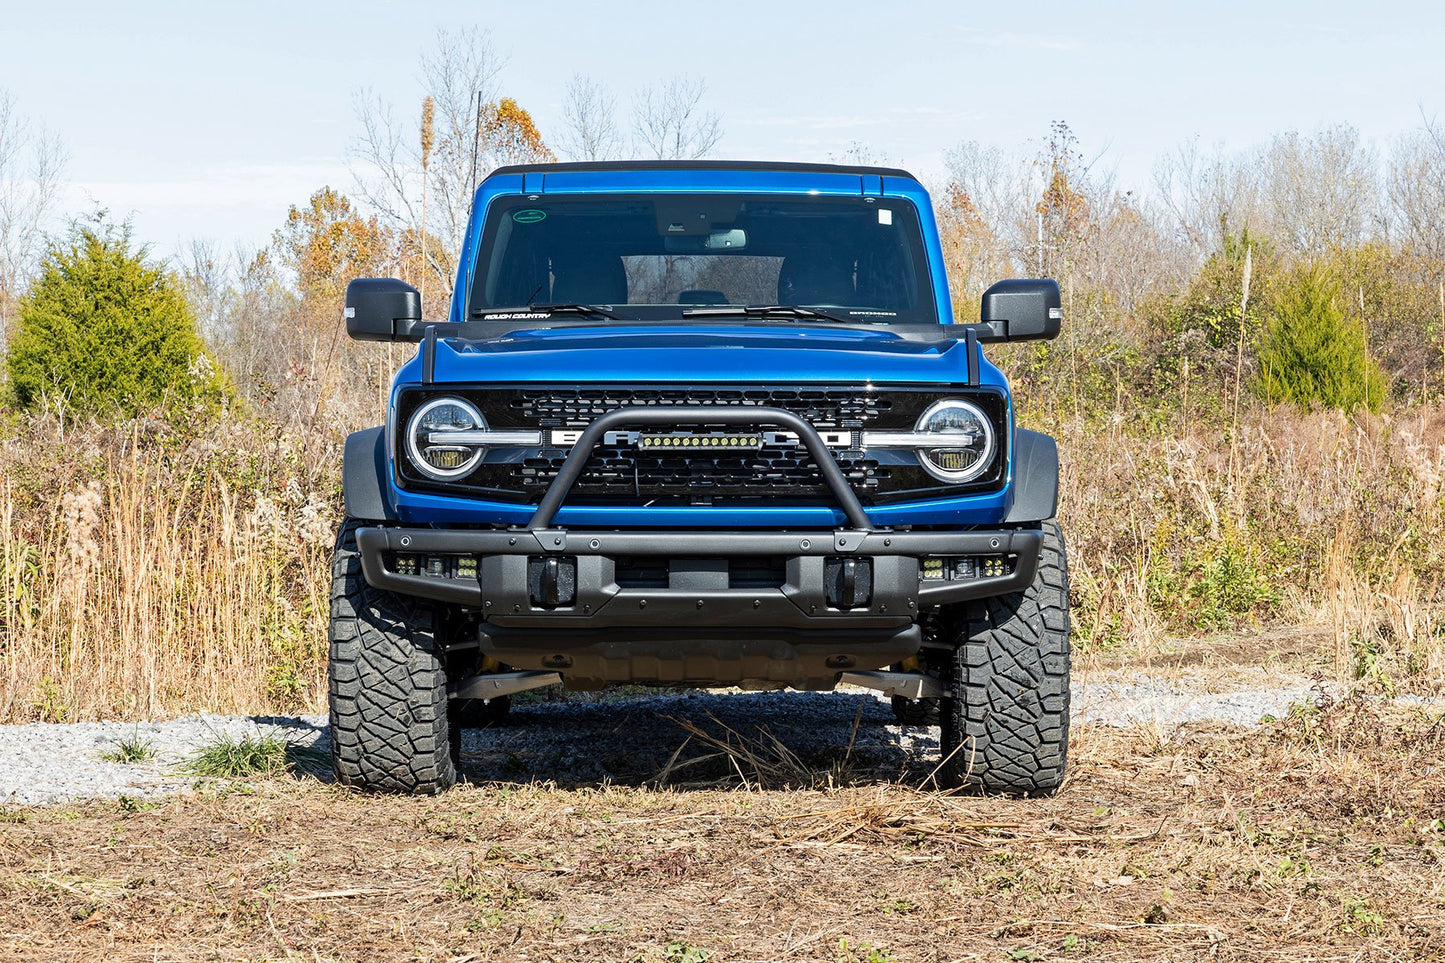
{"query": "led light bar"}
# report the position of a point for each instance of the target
(709, 442)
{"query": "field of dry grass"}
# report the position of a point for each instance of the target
(1320, 837)
(147, 572)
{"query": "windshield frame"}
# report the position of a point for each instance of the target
(914, 243)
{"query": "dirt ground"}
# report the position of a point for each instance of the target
(1320, 836)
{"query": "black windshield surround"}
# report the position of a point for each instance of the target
(655, 257)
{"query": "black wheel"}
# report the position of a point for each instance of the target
(388, 685)
(1006, 727)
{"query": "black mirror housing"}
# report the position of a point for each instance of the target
(1021, 309)
(382, 309)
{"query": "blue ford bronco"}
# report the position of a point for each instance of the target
(700, 424)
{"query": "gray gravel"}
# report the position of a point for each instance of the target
(586, 740)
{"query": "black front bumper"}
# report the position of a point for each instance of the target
(694, 624)
(696, 594)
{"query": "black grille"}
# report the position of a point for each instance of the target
(824, 408)
(779, 471)
(617, 470)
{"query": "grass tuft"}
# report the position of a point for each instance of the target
(265, 755)
(130, 750)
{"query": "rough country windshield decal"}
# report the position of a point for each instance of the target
(856, 259)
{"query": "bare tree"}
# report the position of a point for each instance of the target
(460, 75)
(589, 114)
(996, 184)
(669, 122)
(1415, 180)
(31, 161)
(1322, 188)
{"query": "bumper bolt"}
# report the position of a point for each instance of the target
(757, 604)
(556, 541)
(594, 545)
(993, 543)
(805, 544)
(642, 603)
(699, 603)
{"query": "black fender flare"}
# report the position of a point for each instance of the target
(364, 476)
(1036, 477)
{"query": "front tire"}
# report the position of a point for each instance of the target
(1005, 729)
(387, 685)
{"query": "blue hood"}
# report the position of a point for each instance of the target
(687, 353)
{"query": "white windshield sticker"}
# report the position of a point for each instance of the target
(885, 216)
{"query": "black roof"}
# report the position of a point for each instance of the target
(700, 165)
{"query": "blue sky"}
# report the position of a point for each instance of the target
(208, 119)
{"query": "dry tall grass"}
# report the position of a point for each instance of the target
(144, 573)
(1312, 518)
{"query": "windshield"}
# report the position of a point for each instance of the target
(664, 256)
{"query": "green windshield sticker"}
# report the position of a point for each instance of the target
(529, 217)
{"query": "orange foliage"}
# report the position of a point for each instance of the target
(510, 135)
(327, 243)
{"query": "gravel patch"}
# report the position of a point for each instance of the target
(588, 739)
(49, 763)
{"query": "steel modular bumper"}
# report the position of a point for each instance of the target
(698, 589)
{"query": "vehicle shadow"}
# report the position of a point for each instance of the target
(699, 739)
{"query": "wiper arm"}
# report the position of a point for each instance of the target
(762, 311)
(590, 310)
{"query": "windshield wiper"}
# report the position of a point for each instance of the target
(762, 311)
(590, 310)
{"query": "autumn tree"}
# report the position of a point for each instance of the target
(1065, 218)
(510, 134)
(972, 254)
(327, 243)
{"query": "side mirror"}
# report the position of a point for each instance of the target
(1021, 309)
(382, 309)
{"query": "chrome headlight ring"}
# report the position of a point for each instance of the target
(444, 458)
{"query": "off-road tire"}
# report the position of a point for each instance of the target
(388, 685)
(1006, 727)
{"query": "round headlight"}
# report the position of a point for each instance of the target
(965, 444)
(431, 451)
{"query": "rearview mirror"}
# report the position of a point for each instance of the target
(735, 239)
(1021, 309)
(382, 309)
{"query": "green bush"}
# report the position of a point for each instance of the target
(104, 332)
(1312, 352)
